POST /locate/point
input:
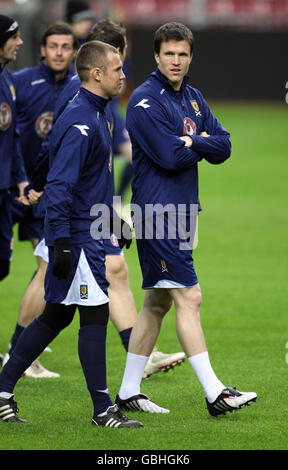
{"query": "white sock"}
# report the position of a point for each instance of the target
(6, 395)
(134, 369)
(207, 378)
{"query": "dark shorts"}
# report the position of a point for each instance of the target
(165, 262)
(30, 219)
(6, 224)
(86, 284)
(111, 247)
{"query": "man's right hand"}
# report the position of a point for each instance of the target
(34, 197)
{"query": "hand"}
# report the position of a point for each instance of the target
(34, 196)
(204, 134)
(63, 259)
(22, 198)
(188, 140)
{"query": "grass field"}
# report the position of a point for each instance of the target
(241, 262)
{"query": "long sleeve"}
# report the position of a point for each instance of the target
(148, 124)
(216, 148)
(65, 169)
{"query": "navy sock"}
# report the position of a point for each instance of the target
(33, 340)
(125, 336)
(92, 355)
(17, 332)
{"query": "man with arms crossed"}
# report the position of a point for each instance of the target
(172, 129)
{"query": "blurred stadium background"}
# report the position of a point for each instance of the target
(241, 45)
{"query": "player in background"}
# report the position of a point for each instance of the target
(11, 162)
(37, 90)
(80, 175)
(80, 17)
(172, 129)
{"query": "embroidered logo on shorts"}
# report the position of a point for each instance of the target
(164, 266)
(83, 291)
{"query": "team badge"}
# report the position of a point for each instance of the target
(43, 124)
(5, 116)
(13, 93)
(111, 127)
(83, 291)
(196, 107)
(164, 266)
(110, 163)
(189, 126)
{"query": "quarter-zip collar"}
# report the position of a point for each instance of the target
(49, 75)
(95, 100)
(164, 81)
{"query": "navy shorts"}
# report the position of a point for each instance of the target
(165, 262)
(6, 233)
(111, 247)
(30, 219)
(86, 284)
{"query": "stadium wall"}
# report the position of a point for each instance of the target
(227, 64)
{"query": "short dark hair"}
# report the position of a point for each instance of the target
(109, 31)
(92, 54)
(173, 32)
(59, 27)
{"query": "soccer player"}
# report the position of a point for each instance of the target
(11, 162)
(172, 129)
(81, 18)
(80, 176)
(37, 90)
(123, 312)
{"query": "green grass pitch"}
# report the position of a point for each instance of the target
(241, 262)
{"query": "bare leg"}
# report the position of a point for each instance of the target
(146, 330)
(33, 303)
(122, 308)
(188, 325)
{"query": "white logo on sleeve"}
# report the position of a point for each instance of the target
(143, 103)
(82, 128)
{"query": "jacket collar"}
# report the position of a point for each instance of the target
(95, 100)
(48, 74)
(160, 77)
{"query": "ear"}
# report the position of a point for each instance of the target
(156, 56)
(96, 73)
(43, 51)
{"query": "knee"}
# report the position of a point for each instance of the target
(196, 298)
(94, 315)
(57, 316)
(116, 269)
(158, 303)
(4, 268)
(190, 298)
